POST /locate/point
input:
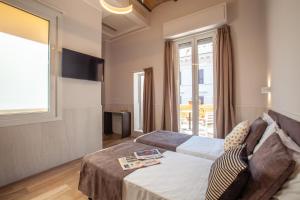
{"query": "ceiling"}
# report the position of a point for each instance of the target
(151, 4)
(115, 26)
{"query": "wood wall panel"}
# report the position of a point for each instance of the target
(30, 149)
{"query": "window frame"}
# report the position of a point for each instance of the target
(55, 48)
(193, 39)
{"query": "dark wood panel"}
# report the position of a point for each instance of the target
(126, 123)
(107, 122)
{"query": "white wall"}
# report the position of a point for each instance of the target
(283, 33)
(146, 48)
(248, 29)
(29, 149)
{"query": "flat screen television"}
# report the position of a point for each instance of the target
(81, 66)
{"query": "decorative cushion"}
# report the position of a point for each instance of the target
(228, 175)
(269, 167)
(271, 129)
(288, 141)
(257, 129)
(237, 135)
(290, 189)
(267, 118)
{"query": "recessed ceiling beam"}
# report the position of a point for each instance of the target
(151, 4)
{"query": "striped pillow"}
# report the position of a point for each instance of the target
(228, 175)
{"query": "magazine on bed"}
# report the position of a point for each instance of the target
(131, 162)
(148, 154)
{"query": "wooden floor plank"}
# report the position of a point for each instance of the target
(59, 183)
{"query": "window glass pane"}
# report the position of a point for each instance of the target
(24, 61)
(186, 87)
(205, 77)
(201, 76)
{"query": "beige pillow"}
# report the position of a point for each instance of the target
(237, 135)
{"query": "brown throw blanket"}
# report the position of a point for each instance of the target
(164, 139)
(101, 175)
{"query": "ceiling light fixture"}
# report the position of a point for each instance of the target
(114, 9)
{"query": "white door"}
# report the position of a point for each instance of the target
(196, 85)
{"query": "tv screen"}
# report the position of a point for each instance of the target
(81, 66)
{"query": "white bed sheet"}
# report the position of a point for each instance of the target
(178, 177)
(209, 148)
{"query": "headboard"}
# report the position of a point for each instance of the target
(290, 126)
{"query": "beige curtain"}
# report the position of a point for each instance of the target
(148, 102)
(170, 117)
(225, 117)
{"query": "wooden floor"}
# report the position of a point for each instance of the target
(59, 183)
(113, 139)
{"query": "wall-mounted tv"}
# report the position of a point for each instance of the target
(81, 66)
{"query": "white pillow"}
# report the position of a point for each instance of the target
(267, 118)
(237, 135)
(272, 128)
(290, 190)
(287, 141)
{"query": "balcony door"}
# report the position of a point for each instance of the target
(196, 85)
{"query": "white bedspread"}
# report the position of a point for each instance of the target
(178, 177)
(209, 148)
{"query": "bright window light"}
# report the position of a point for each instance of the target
(24, 62)
(24, 72)
(138, 88)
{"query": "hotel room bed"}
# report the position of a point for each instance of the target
(209, 148)
(178, 177)
(101, 175)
